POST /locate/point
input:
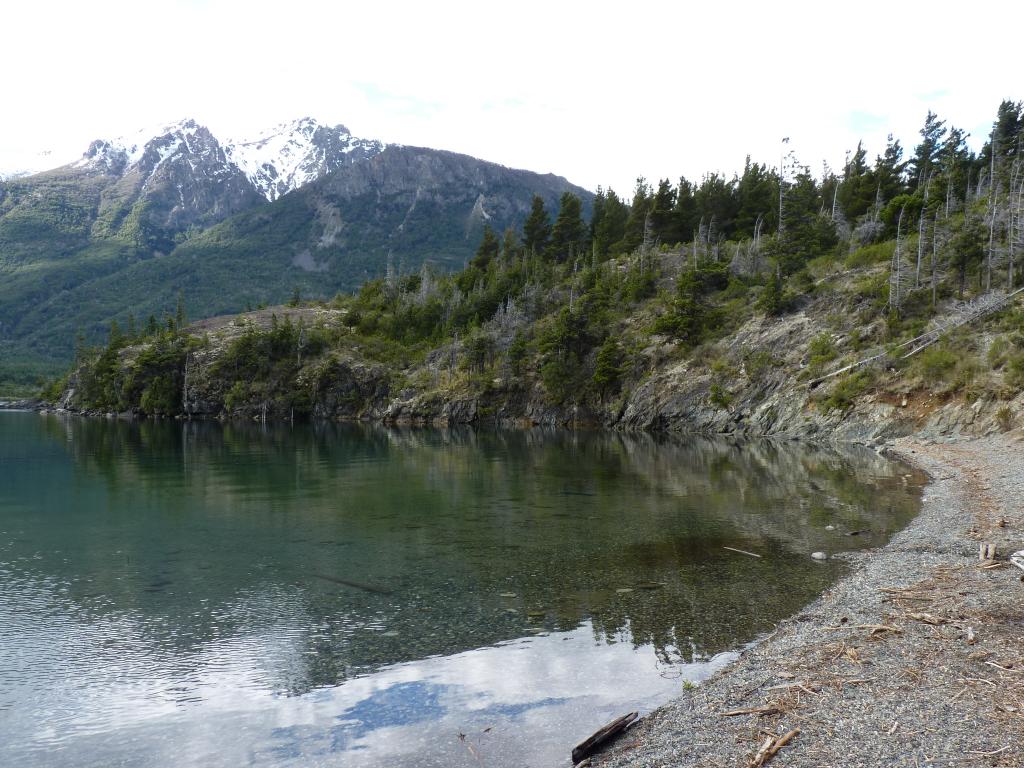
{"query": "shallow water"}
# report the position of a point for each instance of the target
(199, 594)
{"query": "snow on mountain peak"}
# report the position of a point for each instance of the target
(275, 161)
(292, 154)
(116, 156)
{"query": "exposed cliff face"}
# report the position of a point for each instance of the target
(412, 204)
(772, 401)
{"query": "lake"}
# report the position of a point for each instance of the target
(347, 595)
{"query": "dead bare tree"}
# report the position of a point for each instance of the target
(697, 234)
(1014, 214)
(897, 276)
(990, 256)
(649, 238)
(920, 234)
(935, 259)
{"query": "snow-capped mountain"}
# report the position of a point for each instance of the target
(291, 155)
(166, 180)
(138, 219)
(160, 182)
(275, 161)
(147, 150)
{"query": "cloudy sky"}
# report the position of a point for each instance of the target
(597, 92)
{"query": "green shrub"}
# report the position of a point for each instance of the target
(160, 396)
(53, 389)
(759, 363)
(820, 351)
(845, 391)
(936, 363)
(774, 300)
(1004, 418)
(1015, 371)
(998, 353)
(720, 397)
(867, 255)
(966, 370)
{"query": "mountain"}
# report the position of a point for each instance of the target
(303, 206)
(291, 155)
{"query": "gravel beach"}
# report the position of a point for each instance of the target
(916, 658)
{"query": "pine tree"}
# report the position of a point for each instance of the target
(926, 154)
(633, 235)
(858, 189)
(772, 299)
(608, 368)
(1007, 133)
(597, 211)
(179, 310)
(955, 164)
(537, 229)
(569, 235)
(689, 314)
(114, 337)
(685, 214)
(717, 203)
(757, 194)
(662, 205)
(509, 244)
(612, 225)
(488, 249)
(889, 168)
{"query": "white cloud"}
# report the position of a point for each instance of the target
(598, 92)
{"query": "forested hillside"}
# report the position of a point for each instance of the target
(119, 233)
(718, 302)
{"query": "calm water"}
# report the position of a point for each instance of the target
(198, 594)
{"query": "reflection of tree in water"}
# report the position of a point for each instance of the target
(449, 521)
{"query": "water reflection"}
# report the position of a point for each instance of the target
(333, 590)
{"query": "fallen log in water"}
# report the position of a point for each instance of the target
(588, 747)
(356, 584)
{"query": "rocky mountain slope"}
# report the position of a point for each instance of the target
(137, 220)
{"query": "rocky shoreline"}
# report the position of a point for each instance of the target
(913, 659)
(26, 404)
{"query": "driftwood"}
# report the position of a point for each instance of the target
(589, 746)
(742, 551)
(987, 551)
(1017, 559)
(771, 747)
(356, 584)
(769, 709)
(927, 618)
